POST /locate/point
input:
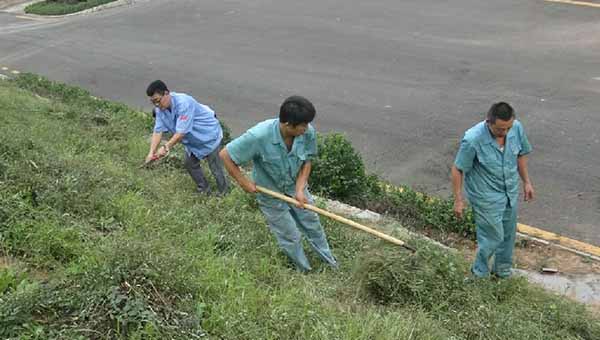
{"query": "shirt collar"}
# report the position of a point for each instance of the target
(488, 134)
(173, 102)
(489, 138)
(276, 138)
(173, 105)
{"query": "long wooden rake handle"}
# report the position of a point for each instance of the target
(335, 217)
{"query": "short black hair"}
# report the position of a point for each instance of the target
(500, 110)
(296, 110)
(157, 86)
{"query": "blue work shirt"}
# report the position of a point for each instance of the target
(273, 166)
(491, 175)
(196, 121)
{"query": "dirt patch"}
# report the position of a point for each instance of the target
(529, 255)
(535, 256)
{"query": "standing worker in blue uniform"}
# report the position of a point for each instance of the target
(281, 151)
(194, 125)
(491, 158)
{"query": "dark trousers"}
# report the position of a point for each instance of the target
(215, 164)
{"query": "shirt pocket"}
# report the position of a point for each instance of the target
(273, 166)
(488, 157)
(296, 162)
(513, 153)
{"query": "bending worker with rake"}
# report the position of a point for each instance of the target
(281, 151)
(195, 126)
(491, 157)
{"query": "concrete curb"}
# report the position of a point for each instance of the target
(373, 217)
(524, 231)
(574, 246)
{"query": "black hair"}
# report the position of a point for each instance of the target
(157, 86)
(296, 110)
(500, 110)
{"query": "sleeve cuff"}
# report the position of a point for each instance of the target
(525, 153)
(462, 168)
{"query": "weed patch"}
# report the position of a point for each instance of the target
(438, 282)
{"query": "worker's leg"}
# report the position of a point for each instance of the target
(309, 223)
(192, 165)
(215, 165)
(489, 236)
(503, 259)
(283, 227)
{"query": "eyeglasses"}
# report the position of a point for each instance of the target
(156, 100)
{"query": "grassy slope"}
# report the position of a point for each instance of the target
(62, 7)
(134, 253)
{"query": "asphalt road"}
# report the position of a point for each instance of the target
(404, 79)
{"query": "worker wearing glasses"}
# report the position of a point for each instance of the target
(195, 126)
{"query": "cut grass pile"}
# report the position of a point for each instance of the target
(133, 253)
(61, 7)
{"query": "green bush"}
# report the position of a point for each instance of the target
(60, 7)
(339, 171)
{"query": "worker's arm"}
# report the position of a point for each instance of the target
(154, 142)
(457, 189)
(528, 192)
(235, 172)
(301, 183)
(164, 150)
(465, 159)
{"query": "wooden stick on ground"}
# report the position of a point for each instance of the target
(335, 217)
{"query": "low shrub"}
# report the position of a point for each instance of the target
(339, 171)
(60, 7)
(419, 210)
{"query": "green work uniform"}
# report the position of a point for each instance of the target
(276, 168)
(492, 187)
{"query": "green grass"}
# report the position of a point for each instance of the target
(61, 7)
(129, 253)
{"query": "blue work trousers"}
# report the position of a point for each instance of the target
(496, 230)
(287, 223)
